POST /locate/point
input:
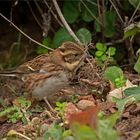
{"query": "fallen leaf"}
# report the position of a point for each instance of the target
(118, 93)
(87, 117)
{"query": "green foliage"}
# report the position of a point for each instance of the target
(132, 91)
(109, 21)
(115, 75)
(71, 11)
(132, 30)
(103, 54)
(54, 133)
(104, 131)
(135, 3)
(111, 51)
(120, 81)
(132, 96)
(84, 35)
(15, 113)
(77, 131)
(110, 18)
(88, 10)
(74, 98)
(42, 50)
(60, 36)
(105, 127)
(82, 132)
(60, 107)
(120, 103)
(137, 64)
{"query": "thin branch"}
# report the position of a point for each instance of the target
(38, 7)
(34, 14)
(24, 33)
(93, 3)
(65, 23)
(55, 16)
(115, 42)
(134, 13)
(94, 17)
(117, 11)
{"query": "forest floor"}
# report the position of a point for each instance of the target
(30, 119)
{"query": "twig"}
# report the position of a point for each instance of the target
(13, 132)
(93, 3)
(24, 33)
(26, 116)
(117, 11)
(55, 16)
(65, 23)
(114, 42)
(34, 14)
(94, 17)
(38, 7)
(134, 13)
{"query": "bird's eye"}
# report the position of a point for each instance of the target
(62, 49)
(76, 55)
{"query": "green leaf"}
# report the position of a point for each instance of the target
(120, 103)
(137, 66)
(111, 51)
(132, 91)
(88, 11)
(105, 127)
(24, 103)
(60, 36)
(131, 30)
(138, 52)
(84, 35)
(135, 3)
(126, 6)
(54, 132)
(41, 50)
(83, 132)
(120, 82)
(101, 47)
(70, 10)
(99, 53)
(110, 17)
(104, 57)
(112, 73)
(97, 27)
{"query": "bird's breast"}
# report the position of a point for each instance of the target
(50, 86)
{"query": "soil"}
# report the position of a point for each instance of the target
(127, 126)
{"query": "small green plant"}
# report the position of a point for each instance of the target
(74, 98)
(137, 64)
(46, 41)
(17, 112)
(60, 107)
(132, 95)
(54, 132)
(62, 35)
(103, 53)
(104, 131)
(115, 75)
(132, 30)
(120, 81)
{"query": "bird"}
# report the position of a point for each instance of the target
(47, 74)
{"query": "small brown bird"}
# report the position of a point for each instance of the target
(47, 74)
